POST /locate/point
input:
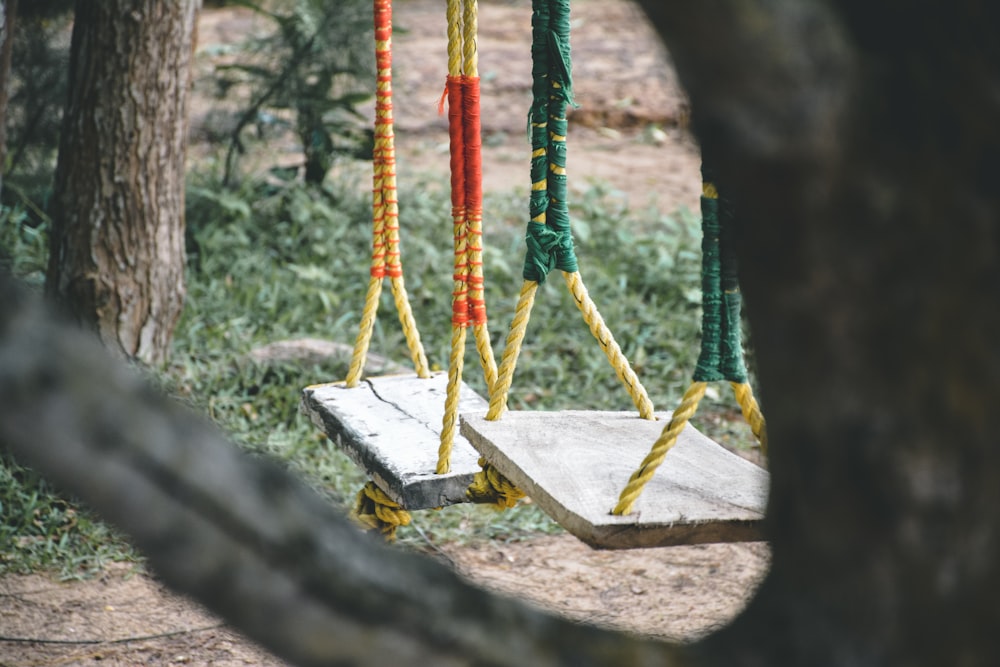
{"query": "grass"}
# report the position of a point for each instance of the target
(278, 260)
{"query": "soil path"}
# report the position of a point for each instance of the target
(628, 132)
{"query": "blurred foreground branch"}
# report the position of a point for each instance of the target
(246, 538)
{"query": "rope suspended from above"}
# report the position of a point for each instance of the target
(549, 236)
(386, 257)
(464, 129)
(721, 356)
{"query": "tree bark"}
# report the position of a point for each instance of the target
(859, 141)
(117, 248)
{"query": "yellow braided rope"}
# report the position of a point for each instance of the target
(378, 512)
(454, 37)
(515, 337)
(385, 237)
(468, 232)
(370, 312)
(470, 57)
(449, 424)
(394, 264)
(365, 330)
(489, 486)
(456, 360)
(663, 444)
(486, 359)
(607, 342)
(751, 412)
(410, 328)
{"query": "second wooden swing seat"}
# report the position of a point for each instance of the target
(578, 466)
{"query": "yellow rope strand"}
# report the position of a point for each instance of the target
(385, 227)
(456, 361)
(474, 221)
(467, 293)
(449, 424)
(365, 330)
(470, 57)
(394, 265)
(378, 512)
(489, 486)
(454, 37)
(370, 312)
(607, 342)
(410, 328)
(486, 359)
(663, 444)
(518, 327)
(751, 412)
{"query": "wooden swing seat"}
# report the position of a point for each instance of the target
(574, 465)
(391, 427)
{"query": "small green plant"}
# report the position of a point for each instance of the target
(23, 244)
(40, 529)
(316, 66)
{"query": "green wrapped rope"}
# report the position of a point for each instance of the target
(549, 237)
(538, 131)
(721, 356)
(733, 365)
(710, 358)
(560, 64)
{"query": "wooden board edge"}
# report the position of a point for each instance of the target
(618, 534)
(423, 491)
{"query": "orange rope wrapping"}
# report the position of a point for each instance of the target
(386, 260)
(460, 304)
(382, 152)
(464, 129)
(468, 294)
(473, 173)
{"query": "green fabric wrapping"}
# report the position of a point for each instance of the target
(721, 356)
(733, 365)
(538, 132)
(549, 245)
(560, 63)
(709, 364)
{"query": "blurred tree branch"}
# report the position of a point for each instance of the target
(245, 537)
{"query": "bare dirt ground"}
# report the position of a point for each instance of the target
(628, 132)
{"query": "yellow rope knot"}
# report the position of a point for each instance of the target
(489, 486)
(376, 510)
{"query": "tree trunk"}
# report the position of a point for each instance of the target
(117, 250)
(8, 18)
(860, 143)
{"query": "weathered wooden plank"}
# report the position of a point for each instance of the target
(391, 427)
(574, 465)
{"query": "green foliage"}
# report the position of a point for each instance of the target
(23, 245)
(42, 530)
(317, 66)
(39, 68)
